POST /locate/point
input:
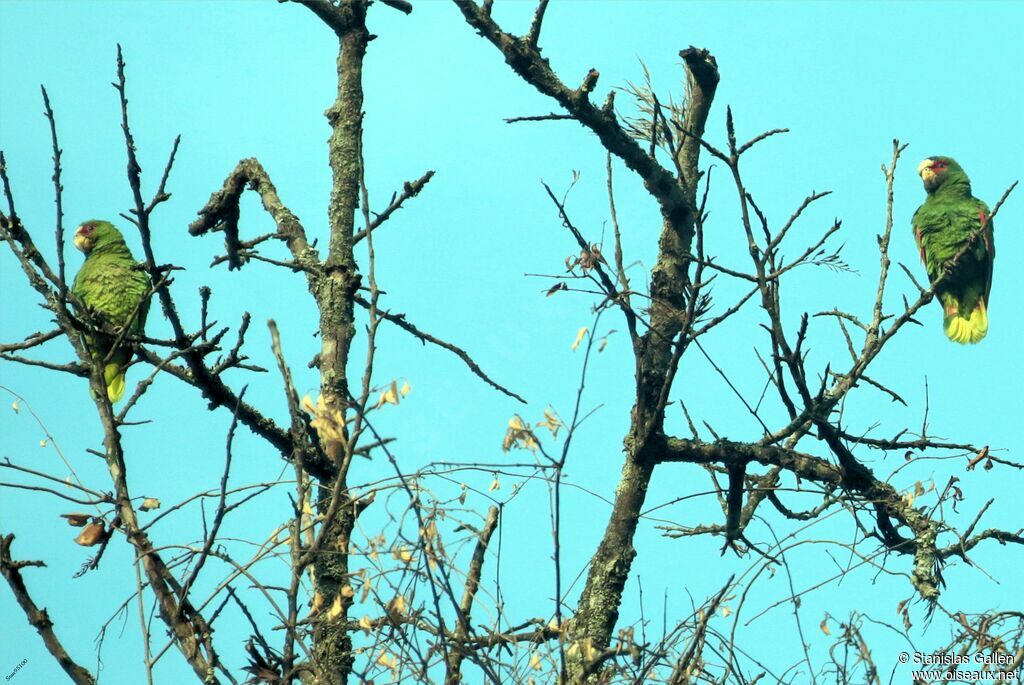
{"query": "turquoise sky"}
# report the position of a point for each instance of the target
(246, 78)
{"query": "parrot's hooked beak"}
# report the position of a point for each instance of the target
(930, 178)
(82, 241)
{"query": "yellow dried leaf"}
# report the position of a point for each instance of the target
(495, 484)
(551, 422)
(403, 555)
(405, 389)
(149, 504)
(389, 396)
(518, 435)
(15, 407)
(978, 458)
(347, 592)
(562, 629)
(824, 625)
(724, 611)
(77, 520)
(328, 422)
(318, 604)
(587, 645)
(386, 660)
(42, 443)
(535, 662)
(336, 609)
(579, 338)
(397, 605)
(366, 624)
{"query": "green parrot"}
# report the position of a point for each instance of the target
(943, 226)
(111, 285)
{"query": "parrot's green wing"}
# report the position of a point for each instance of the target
(111, 285)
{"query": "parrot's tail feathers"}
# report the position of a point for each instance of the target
(113, 374)
(968, 329)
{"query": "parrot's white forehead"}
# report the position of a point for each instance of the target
(924, 165)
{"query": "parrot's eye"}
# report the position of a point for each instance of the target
(88, 229)
(939, 166)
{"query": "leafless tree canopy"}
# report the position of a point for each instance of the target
(411, 600)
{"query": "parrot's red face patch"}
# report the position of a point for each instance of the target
(83, 239)
(931, 171)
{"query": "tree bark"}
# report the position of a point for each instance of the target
(332, 643)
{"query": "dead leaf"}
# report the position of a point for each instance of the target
(551, 422)
(366, 624)
(389, 396)
(93, 534)
(579, 338)
(328, 422)
(318, 604)
(824, 625)
(15, 407)
(519, 435)
(555, 288)
(367, 588)
(77, 520)
(397, 606)
(591, 257)
(149, 504)
(335, 611)
(981, 456)
(403, 555)
(903, 611)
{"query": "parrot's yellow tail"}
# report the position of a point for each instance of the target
(113, 374)
(970, 329)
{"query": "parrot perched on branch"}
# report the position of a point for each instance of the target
(953, 222)
(111, 284)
